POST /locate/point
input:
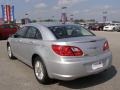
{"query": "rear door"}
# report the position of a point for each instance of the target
(16, 41)
(28, 43)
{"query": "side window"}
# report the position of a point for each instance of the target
(33, 33)
(12, 26)
(21, 32)
(5, 26)
(38, 35)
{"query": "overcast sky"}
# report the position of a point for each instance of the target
(81, 9)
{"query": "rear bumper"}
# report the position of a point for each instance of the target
(107, 29)
(79, 67)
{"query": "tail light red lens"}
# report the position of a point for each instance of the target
(67, 50)
(106, 46)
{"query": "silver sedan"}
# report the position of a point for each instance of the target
(57, 51)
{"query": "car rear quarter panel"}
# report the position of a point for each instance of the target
(54, 62)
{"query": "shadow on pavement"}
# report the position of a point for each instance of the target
(90, 80)
(3, 39)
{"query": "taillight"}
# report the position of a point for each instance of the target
(106, 46)
(67, 50)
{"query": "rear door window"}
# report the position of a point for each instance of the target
(21, 32)
(33, 33)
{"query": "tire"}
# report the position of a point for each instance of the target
(118, 30)
(10, 54)
(113, 29)
(40, 71)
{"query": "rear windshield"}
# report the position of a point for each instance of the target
(68, 31)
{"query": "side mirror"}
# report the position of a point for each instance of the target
(16, 35)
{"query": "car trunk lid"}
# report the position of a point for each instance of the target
(90, 45)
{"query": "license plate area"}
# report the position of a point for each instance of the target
(94, 52)
(97, 65)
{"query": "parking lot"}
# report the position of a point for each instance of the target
(14, 75)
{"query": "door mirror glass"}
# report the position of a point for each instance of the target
(16, 36)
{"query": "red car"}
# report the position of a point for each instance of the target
(7, 30)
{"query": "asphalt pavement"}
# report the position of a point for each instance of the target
(14, 75)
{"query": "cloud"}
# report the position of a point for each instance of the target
(107, 7)
(56, 7)
(103, 7)
(86, 10)
(68, 2)
(41, 5)
(76, 12)
(27, 1)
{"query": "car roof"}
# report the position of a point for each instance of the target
(49, 24)
(44, 29)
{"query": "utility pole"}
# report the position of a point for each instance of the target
(71, 18)
(63, 15)
(105, 16)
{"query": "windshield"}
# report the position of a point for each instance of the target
(68, 31)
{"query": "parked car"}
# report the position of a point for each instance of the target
(92, 27)
(112, 27)
(101, 26)
(57, 51)
(7, 30)
(118, 30)
(96, 26)
(85, 25)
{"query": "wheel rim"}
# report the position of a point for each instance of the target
(9, 51)
(39, 70)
